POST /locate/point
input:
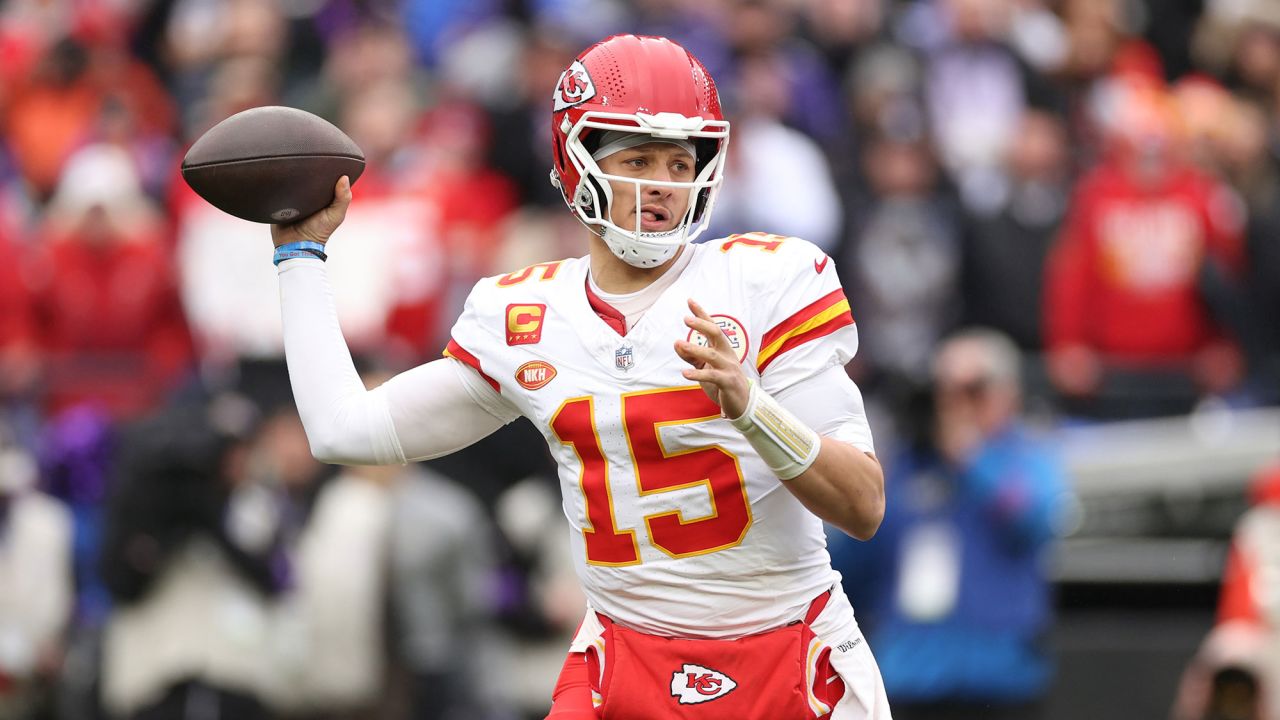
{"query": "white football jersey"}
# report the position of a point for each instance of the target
(678, 527)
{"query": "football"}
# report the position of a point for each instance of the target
(271, 164)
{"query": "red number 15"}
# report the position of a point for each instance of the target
(644, 414)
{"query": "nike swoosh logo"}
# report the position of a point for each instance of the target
(820, 266)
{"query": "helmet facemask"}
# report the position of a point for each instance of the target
(594, 195)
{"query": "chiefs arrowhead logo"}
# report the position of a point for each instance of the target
(535, 374)
(694, 684)
(575, 87)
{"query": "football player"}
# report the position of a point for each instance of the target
(693, 396)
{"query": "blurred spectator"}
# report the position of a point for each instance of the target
(519, 148)
(1005, 251)
(36, 587)
(106, 303)
(471, 203)
(443, 592)
(1236, 673)
(370, 54)
(188, 559)
(77, 459)
(203, 37)
(18, 338)
(55, 110)
(1240, 41)
(883, 96)
(842, 29)
(433, 24)
(772, 160)
(1097, 30)
(1127, 323)
(1205, 113)
(337, 538)
(953, 588)
(50, 114)
(1254, 172)
(703, 28)
(975, 92)
(901, 261)
(809, 93)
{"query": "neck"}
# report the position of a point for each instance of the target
(612, 275)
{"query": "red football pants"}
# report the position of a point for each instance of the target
(571, 700)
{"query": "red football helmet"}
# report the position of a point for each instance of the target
(645, 85)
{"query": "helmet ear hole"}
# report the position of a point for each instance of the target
(589, 200)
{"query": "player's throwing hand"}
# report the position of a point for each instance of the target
(320, 225)
(715, 365)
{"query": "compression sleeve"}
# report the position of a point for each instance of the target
(423, 413)
(830, 403)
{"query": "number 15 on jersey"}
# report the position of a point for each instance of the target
(656, 470)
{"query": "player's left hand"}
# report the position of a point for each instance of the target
(715, 366)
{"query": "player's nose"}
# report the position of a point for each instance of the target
(660, 174)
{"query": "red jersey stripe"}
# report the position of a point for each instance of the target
(801, 317)
(843, 319)
(456, 351)
(820, 317)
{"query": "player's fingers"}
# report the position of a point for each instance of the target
(341, 198)
(688, 352)
(714, 382)
(702, 354)
(703, 375)
(715, 336)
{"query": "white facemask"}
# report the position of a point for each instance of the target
(595, 194)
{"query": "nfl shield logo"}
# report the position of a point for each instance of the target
(623, 358)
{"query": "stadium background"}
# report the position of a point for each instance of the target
(937, 149)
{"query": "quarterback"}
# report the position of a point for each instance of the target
(693, 396)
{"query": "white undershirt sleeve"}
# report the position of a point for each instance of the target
(426, 412)
(442, 407)
(831, 404)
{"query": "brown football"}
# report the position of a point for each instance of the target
(271, 164)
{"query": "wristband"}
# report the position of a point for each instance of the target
(300, 249)
(786, 444)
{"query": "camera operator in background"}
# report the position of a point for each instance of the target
(190, 571)
(954, 587)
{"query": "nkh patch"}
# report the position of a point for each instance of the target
(694, 684)
(535, 374)
(732, 330)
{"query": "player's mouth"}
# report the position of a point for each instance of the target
(654, 218)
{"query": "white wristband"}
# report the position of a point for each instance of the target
(786, 444)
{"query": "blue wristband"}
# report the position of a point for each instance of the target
(301, 249)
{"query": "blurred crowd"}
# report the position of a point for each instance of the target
(1095, 182)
